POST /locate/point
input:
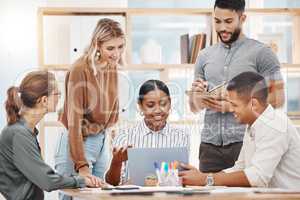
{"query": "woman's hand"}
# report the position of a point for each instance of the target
(93, 181)
(120, 154)
(84, 171)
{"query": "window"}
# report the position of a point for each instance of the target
(274, 30)
(156, 39)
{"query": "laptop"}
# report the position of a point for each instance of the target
(141, 161)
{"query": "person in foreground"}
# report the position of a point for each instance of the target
(153, 131)
(23, 173)
(270, 155)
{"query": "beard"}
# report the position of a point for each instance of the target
(234, 36)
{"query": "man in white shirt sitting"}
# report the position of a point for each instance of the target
(270, 155)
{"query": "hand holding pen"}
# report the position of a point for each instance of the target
(199, 86)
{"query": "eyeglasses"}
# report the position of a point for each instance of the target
(56, 94)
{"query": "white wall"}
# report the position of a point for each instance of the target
(18, 43)
(18, 52)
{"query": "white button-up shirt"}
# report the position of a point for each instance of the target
(270, 155)
(140, 136)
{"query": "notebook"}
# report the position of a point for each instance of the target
(217, 92)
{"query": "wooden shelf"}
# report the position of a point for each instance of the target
(159, 67)
(122, 11)
(56, 124)
(267, 11)
(291, 67)
(154, 11)
(169, 11)
(294, 117)
(56, 67)
(81, 11)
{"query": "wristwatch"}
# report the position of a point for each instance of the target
(210, 180)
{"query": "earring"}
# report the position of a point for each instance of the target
(141, 113)
(98, 55)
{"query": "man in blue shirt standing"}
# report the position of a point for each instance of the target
(222, 135)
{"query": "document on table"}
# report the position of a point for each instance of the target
(255, 190)
(231, 190)
(132, 189)
(276, 191)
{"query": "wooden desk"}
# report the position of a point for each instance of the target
(163, 196)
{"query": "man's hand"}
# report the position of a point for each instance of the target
(199, 86)
(120, 154)
(218, 105)
(192, 176)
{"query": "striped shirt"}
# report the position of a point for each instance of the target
(140, 136)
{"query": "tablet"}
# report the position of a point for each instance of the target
(217, 92)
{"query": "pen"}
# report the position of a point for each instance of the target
(166, 168)
(162, 167)
(175, 165)
(157, 172)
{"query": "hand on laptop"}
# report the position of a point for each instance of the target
(191, 176)
(120, 154)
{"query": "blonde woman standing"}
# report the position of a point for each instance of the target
(91, 103)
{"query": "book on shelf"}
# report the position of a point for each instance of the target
(184, 48)
(191, 46)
